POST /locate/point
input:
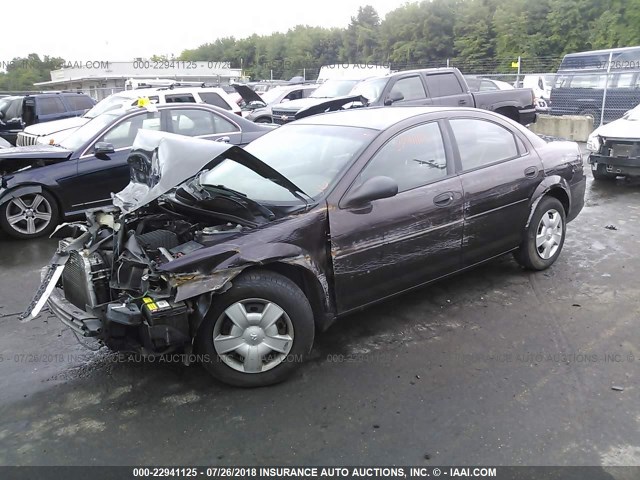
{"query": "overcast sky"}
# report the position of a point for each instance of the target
(120, 30)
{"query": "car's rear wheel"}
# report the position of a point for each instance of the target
(600, 173)
(29, 216)
(545, 236)
(258, 332)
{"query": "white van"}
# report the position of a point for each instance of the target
(540, 84)
(53, 132)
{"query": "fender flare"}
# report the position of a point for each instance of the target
(548, 184)
(19, 191)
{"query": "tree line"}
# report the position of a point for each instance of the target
(478, 36)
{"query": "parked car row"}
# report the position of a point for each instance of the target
(42, 185)
(435, 86)
(55, 131)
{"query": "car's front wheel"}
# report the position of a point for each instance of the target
(29, 216)
(258, 332)
(545, 236)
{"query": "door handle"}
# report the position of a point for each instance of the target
(531, 172)
(443, 199)
(223, 140)
(462, 102)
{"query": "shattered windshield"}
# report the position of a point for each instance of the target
(310, 156)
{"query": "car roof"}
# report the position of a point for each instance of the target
(378, 118)
(119, 112)
(143, 92)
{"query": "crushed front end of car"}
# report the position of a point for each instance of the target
(615, 147)
(139, 276)
(615, 156)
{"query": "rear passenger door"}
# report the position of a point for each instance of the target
(445, 89)
(499, 174)
(411, 88)
(201, 123)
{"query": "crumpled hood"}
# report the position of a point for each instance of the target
(49, 128)
(621, 128)
(161, 161)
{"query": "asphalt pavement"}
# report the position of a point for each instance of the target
(497, 366)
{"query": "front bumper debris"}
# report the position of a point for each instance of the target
(81, 322)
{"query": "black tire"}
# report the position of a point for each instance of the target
(257, 286)
(529, 255)
(46, 205)
(600, 173)
(263, 120)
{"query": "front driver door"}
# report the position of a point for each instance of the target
(396, 243)
(99, 176)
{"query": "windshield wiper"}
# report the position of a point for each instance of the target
(268, 214)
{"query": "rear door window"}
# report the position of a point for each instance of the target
(481, 142)
(443, 85)
(180, 98)
(50, 106)
(79, 102)
(195, 123)
(214, 99)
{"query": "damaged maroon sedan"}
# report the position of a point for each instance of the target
(241, 255)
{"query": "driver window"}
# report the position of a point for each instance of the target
(412, 158)
(124, 133)
(295, 95)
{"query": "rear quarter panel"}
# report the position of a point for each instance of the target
(563, 169)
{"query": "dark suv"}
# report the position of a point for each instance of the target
(20, 111)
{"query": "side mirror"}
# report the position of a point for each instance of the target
(103, 148)
(285, 100)
(394, 96)
(373, 189)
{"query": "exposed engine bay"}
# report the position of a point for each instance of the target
(117, 276)
(140, 276)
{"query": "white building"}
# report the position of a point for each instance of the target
(100, 79)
